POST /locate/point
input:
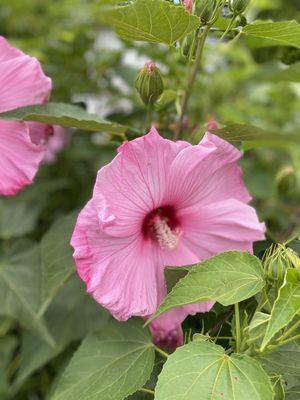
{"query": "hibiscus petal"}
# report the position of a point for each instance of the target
(123, 274)
(22, 83)
(221, 226)
(19, 157)
(135, 182)
(7, 51)
(207, 173)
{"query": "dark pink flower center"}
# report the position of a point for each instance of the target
(162, 226)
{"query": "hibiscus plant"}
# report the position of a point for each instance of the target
(149, 200)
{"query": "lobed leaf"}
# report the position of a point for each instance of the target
(108, 365)
(203, 370)
(227, 278)
(155, 21)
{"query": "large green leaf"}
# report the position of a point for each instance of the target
(285, 33)
(227, 278)
(71, 316)
(151, 21)
(202, 370)
(63, 114)
(56, 256)
(109, 365)
(286, 306)
(20, 289)
(253, 136)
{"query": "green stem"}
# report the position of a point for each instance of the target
(237, 327)
(148, 118)
(229, 26)
(147, 391)
(290, 331)
(191, 81)
(160, 351)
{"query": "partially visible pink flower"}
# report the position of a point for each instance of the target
(160, 203)
(166, 329)
(188, 4)
(150, 66)
(57, 141)
(212, 125)
(22, 83)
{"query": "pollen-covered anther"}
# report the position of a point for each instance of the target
(166, 238)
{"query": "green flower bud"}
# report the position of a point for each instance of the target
(149, 83)
(239, 6)
(205, 10)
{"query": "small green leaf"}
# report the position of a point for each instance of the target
(7, 347)
(154, 21)
(285, 33)
(257, 328)
(278, 388)
(202, 370)
(66, 115)
(286, 306)
(56, 256)
(20, 290)
(227, 278)
(109, 365)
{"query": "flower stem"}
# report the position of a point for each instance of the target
(148, 117)
(191, 81)
(237, 327)
(229, 26)
(147, 391)
(160, 351)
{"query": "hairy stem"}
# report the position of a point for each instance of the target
(191, 81)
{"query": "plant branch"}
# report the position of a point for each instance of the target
(191, 81)
(147, 391)
(160, 351)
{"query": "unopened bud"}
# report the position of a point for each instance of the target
(205, 10)
(149, 83)
(188, 4)
(239, 6)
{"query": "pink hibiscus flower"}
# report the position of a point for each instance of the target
(160, 203)
(22, 83)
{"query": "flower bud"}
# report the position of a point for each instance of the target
(205, 10)
(188, 4)
(239, 6)
(149, 83)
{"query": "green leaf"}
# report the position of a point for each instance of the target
(278, 388)
(154, 21)
(56, 256)
(20, 290)
(71, 316)
(293, 393)
(7, 347)
(66, 115)
(285, 33)
(275, 74)
(203, 370)
(109, 365)
(286, 306)
(282, 360)
(227, 278)
(252, 136)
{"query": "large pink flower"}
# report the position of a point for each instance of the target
(160, 203)
(22, 83)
